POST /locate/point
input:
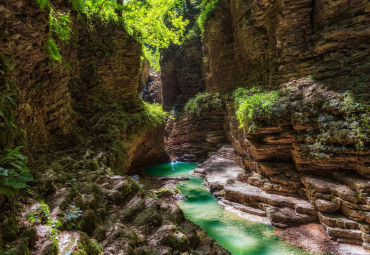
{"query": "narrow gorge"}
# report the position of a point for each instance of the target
(184, 127)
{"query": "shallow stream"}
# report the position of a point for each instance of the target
(236, 234)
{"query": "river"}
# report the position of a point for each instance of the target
(234, 233)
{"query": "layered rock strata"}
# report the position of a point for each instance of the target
(336, 189)
(191, 138)
(62, 101)
(243, 192)
(269, 42)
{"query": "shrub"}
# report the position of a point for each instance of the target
(255, 105)
(14, 173)
(201, 103)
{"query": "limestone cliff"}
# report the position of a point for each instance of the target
(270, 42)
(67, 101)
(307, 163)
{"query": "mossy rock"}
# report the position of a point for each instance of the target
(51, 248)
(177, 241)
(87, 247)
(149, 216)
(21, 249)
(135, 240)
(88, 222)
(92, 165)
(30, 235)
(9, 228)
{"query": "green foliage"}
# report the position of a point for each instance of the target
(42, 3)
(78, 6)
(254, 105)
(59, 25)
(207, 7)
(202, 103)
(53, 50)
(9, 132)
(14, 173)
(154, 23)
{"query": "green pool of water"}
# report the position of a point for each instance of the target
(237, 235)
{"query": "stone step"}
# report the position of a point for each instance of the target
(244, 208)
(344, 233)
(247, 194)
(349, 241)
(338, 221)
(287, 217)
(327, 186)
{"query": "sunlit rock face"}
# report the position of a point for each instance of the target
(288, 159)
(269, 42)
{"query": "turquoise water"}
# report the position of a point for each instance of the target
(237, 235)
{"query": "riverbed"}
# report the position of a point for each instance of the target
(236, 234)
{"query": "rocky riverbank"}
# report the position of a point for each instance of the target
(246, 193)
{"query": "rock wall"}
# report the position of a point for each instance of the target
(42, 85)
(152, 91)
(182, 73)
(191, 138)
(277, 160)
(60, 102)
(272, 41)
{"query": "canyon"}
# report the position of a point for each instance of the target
(89, 126)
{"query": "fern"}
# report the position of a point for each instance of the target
(42, 3)
(78, 6)
(59, 25)
(53, 50)
(14, 173)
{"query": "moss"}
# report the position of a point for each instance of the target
(177, 241)
(21, 249)
(87, 247)
(120, 122)
(207, 8)
(135, 240)
(9, 228)
(43, 212)
(42, 3)
(88, 222)
(53, 50)
(30, 235)
(92, 165)
(52, 248)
